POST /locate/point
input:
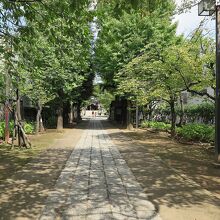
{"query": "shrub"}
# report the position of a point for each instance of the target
(156, 125)
(29, 127)
(204, 111)
(2, 128)
(197, 132)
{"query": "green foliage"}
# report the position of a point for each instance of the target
(55, 54)
(29, 127)
(167, 66)
(115, 8)
(189, 132)
(152, 75)
(49, 53)
(125, 28)
(197, 132)
(206, 111)
(50, 49)
(156, 125)
(105, 97)
(2, 128)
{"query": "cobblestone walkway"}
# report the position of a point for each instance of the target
(96, 183)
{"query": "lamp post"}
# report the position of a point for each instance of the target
(208, 8)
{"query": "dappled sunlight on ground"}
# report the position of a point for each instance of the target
(24, 192)
(96, 183)
(179, 178)
(22, 195)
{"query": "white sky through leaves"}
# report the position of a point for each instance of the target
(189, 21)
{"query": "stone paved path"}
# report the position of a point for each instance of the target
(96, 183)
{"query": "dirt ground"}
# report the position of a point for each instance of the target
(27, 176)
(178, 178)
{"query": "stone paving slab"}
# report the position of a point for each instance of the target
(96, 183)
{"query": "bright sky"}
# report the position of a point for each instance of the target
(188, 22)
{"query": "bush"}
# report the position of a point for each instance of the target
(2, 128)
(204, 111)
(29, 127)
(197, 132)
(156, 125)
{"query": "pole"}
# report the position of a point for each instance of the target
(217, 113)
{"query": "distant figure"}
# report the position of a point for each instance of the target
(95, 114)
(92, 113)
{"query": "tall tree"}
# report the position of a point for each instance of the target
(125, 28)
(53, 51)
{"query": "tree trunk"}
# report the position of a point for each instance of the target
(74, 113)
(66, 110)
(173, 117)
(124, 112)
(79, 112)
(129, 124)
(71, 114)
(181, 111)
(7, 131)
(41, 124)
(60, 117)
(150, 112)
(18, 117)
(18, 107)
(137, 116)
(18, 130)
(39, 121)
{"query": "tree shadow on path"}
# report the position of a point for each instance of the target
(23, 195)
(174, 177)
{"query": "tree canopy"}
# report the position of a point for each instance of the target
(50, 55)
(51, 43)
